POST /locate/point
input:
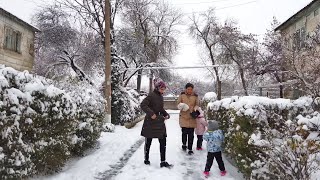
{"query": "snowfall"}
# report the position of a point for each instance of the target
(119, 156)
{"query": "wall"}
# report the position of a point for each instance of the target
(170, 105)
(19, 61)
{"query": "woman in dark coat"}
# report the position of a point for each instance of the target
(154, 126)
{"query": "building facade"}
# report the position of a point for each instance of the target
(294, 32)
(16, 42)
(303, 22)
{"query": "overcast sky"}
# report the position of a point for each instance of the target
(253, 16)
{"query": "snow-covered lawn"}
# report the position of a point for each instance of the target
(109, 161)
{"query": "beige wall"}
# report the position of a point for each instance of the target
(19, 61)
(308, 20)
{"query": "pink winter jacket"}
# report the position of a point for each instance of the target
(201, 124)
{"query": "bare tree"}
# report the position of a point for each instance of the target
(57, 40)
(149, 35)
(56, 35)
(225, 44)
(238, 48)
(70, 61)
(92, 13)
(271, 60)
(206, 35)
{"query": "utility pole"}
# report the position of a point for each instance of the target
(108, 61)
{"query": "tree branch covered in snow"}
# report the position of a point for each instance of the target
(149, 34)
(224, 44)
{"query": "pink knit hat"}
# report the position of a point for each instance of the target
(159, 83)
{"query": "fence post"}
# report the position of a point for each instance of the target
(260, 91)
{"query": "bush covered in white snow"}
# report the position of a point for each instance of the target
(41, 126)
(209, 97)
(89, 113)
(128, 104)
(125, 103)
(270, 138)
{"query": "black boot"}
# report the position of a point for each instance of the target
(146, 162)
(165, 164)
(184, 147)
(190, 152)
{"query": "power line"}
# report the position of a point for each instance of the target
(37, 3)
(206, 2)
(182, 67)
(226, 7)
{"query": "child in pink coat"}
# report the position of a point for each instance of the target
(202, 124)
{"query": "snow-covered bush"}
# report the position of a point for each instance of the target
(209, 97)
(125, 102)
(36, 124)
(265, 137)
(129, 106)
(108, 127)
(89, 113)
(41, 125)
(292, 155)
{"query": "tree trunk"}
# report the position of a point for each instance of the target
(139, 80)
(280, 80)
(219, 88)
(281, 91)
(150, 82)
(243, 82)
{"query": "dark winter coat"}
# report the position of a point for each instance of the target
(153, 104)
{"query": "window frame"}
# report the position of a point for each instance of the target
(12, 39)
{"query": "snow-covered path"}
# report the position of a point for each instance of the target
(120, 157)
(185, 166)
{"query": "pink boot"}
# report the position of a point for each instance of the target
(199, 149)
(223, 173)
(206, 174)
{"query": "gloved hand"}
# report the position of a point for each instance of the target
(195, 114)
(183, 106)
(167, 117)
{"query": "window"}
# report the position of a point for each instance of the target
(300, 38)
(303, 36)
(316, 12)
(12, 40)
(31, 49)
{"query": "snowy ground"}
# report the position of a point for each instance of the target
(120, 157)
